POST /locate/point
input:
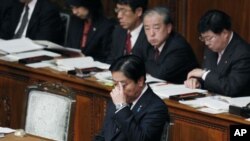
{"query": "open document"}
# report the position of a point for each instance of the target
(18, 45)
(164, 90)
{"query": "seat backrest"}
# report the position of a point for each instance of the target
(65, 19)
(166, 132)
(49, 111)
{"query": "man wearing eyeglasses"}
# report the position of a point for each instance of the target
(130, 33)
(226, 65)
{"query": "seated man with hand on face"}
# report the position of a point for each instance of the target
(169, 57)
(226, 64)
(135, 113)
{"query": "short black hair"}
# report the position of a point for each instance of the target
(95, 7)
(131, 66)
(214, 20)
(134, 4)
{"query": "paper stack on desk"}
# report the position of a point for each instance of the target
(164, 90)
(18, 45)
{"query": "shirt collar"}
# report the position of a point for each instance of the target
(143, 91)
(32, 5)
(135, 34)
(230, 39)
(161, 47)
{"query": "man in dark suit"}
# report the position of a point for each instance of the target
(169, 57)
(226, 65)
(4, 9)
(43, 21)
(89, 29)
(135, 112)
(130, 33)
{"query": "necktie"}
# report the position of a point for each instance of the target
(86, 29)
(156, 54)
(23, 23)
(219, 57)
(128, 43)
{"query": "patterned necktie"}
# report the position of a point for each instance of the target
(23, 23)
(156, 54)
(128, 43)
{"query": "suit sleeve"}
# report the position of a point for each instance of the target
(235, 79)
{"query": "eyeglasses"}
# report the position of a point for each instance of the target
(122, 10)
(207, 39)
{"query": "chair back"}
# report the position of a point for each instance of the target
(65, 19)
(49, 111)
(166, 131)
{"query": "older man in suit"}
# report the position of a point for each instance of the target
(135, 112)
(35, 19)
(226, 65)
(130, 33)
(169, 57)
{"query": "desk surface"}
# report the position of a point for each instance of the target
(12, 137)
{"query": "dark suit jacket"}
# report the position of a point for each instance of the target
(45, 22)
(4, 8)
(231, 77)
(144, 123)
(119, 43)
(98, 40)
(175, 61)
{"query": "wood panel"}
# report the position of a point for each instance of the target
(191, 125)
(91, 97)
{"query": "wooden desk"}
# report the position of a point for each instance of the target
(91, 97)
(189, 124)
(193, 125)
(12, 137)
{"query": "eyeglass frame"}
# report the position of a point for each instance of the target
(122, 10)
(207, 39)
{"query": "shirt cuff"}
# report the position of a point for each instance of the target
(205, 75)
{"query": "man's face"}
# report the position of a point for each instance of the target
(156, 30)
(215, 42)
(81, 12)
(127, 18)
(130, 88)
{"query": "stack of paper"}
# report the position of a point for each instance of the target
(17, 56)
(164, 90)
(18, 45)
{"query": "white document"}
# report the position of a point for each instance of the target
(47, 44)
(18, 45)
(210, 104)
(17, 56)
(240, 101)
(6, 130)
(80, 62)
(150, 79)
(164, 90)
(42, 64)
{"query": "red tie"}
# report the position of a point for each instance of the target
(128, 43)
(86, 29)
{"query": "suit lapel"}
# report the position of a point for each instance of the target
(225, 59)
(138, 111)
(35, 16)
